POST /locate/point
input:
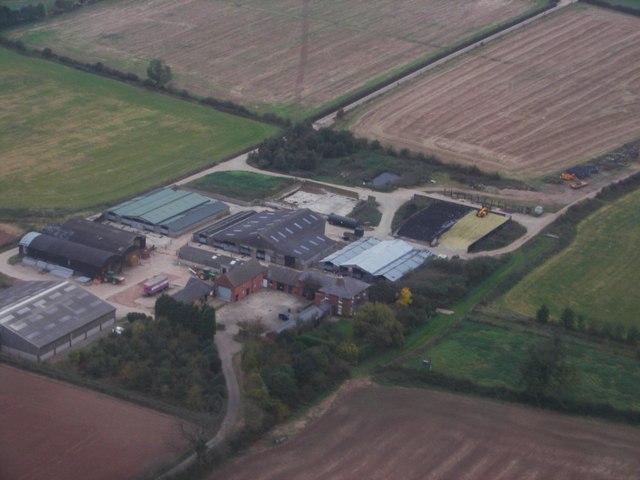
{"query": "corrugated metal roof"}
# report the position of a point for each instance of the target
(352, 250)
(43, 312)
(194, 216)
(26, 240)
(164, 206)
(390, 259)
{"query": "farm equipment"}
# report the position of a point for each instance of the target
(578, 184)
(206, 274)
(155, 285)
(111, 277)
(483, 212)
(568, 176)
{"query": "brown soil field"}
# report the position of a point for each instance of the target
(554, 94)
(382, 433)
(280, 52)
(9, 233)
(57, 431)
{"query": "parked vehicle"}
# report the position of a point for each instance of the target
(155, 285)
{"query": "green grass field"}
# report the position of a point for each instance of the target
(625, 3)
(597, 275)
(242, 185)
(491, 355)
(70, 139)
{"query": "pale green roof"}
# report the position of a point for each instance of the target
(161, 205)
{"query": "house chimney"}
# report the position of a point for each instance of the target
(340, 281)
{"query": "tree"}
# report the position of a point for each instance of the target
(159, 73)
(376, 323)
(633, 335)
(542, 315)
(545, 370)
(568, 318)
(404, 297)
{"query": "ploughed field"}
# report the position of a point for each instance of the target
(57, 431)
(553, 94)
(290, 54)
(380, 433)
(70, 139)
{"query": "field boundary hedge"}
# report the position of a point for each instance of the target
(412, 377)
(563, 230)
(350, 98)
(610, 6)
(98, 68)
(112, 391)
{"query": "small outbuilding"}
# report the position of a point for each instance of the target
(240, 282)
(41, 319)
(195, 291)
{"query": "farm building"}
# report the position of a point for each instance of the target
(194, 256)
(240, 282)
(370, 258)
(343, 294)
(307, 316)
(128, 245)
(291, 238)
(38, 320)
(66, 256)
(195, 291)
(167, 211)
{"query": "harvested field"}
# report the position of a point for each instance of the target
(57, 431)
(70, 139)
(554, 94)
(432, 221)
(286, 53)
(469, 229)
(380, 433)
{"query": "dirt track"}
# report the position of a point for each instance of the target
(381, 433)
(57, 431)
(554, 94)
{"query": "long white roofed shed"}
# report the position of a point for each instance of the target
(370, 257)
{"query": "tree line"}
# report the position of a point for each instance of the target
(10, 17)
(172, 358)
(155, 82)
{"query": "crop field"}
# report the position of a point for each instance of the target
(597, 275)
(56, 431)
(429, 223)
(71, 139)
(491, 355)
(469, 229)
(379, 432)
(278, 55)
(554, 94)
(242, 185)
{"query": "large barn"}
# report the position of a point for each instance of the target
(127, 245)
(291, 238)
(41, 319)
(370, 259)
(167, 211)
(72, 257)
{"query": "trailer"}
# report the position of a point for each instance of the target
(341, 221)
(155, 285)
